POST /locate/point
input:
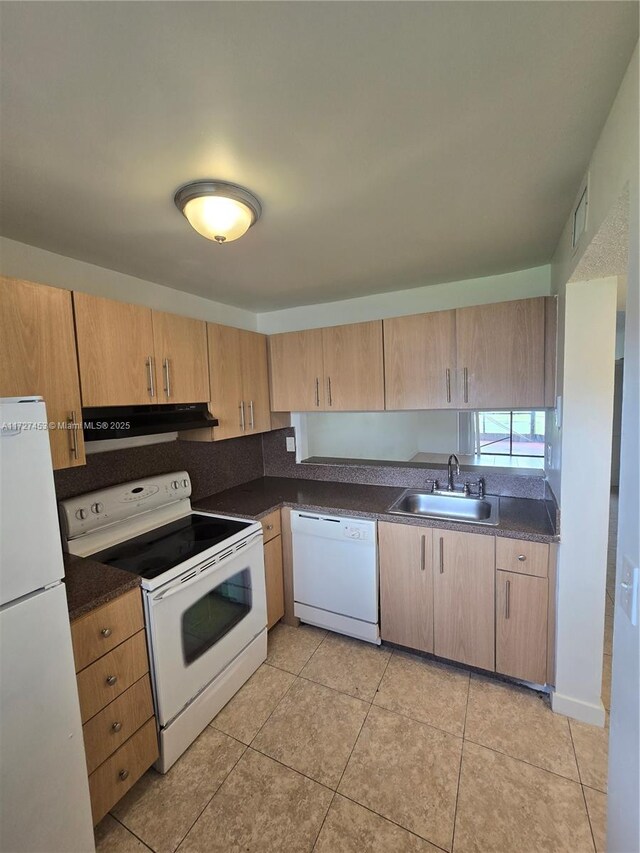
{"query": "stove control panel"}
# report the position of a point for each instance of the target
(94, 510)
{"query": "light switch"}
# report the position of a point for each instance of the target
(629, 590)
(291, 443)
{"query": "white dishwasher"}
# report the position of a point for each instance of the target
(335, 573)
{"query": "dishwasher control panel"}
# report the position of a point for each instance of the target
(333, 527)
(353, 530)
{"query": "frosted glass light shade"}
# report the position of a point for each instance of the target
(218, 218)
(218, 210)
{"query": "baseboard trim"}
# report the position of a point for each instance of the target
(585, 712)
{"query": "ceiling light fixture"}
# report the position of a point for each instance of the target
(218, 210)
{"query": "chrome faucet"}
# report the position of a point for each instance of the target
(450, 483)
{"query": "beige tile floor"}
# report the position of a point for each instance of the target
(337, 746)
(372, 749)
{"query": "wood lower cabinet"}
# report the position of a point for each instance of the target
(521, 626)
(273, 567)
(420, 361)
(116, 706)
(501, 354)
(38, 357)
(181, 360)
(406, 585)
(464, 597)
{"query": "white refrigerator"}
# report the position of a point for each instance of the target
(44, 792)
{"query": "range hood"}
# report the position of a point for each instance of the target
(108, 422)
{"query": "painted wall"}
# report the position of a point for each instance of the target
(613, 166)
(586, 458)
(613, 162)
(381, 435)
(624, 738)
(19, 260)
(437, 297)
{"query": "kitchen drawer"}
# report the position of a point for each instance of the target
(271, 525)
(526, 558)
(103, 629)
(115, 724)
(123, 666)
(111, 781)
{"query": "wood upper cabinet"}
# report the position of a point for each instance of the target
(131, 355)
(115, 352)
(521, 626)
(406, 585)
(181, 361)
(463, 597)
(337, 369)
(296, 371)
(255, 381)
(38, 357)
(239, 381)
(420, 361)
(500, 354)
(353, 367)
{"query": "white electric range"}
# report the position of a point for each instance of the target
(203, 586)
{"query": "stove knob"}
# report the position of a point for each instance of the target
(81, 514)
(97, 508)
(175, 485)
(185, 483)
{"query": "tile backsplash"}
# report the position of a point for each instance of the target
(215, 466)
(212, 466)
(278, 462)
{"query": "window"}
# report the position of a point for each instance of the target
(509, 433)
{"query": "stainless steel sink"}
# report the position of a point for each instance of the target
(451, 506)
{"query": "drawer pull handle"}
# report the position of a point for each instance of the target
(522, 557)
(123, 774)
(111, 680)
(269, 526)
(106, 632)
(116, 726)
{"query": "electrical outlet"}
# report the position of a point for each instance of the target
(291, 443)
(629, 590)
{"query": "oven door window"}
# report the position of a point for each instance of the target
(215, 614)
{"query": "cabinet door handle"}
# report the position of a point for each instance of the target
(317, 391)
(507, 600)
(71, 422)
(167, 378)
(441, 555)
(106, 632)
(423, 552)
(448, 381)
(329, 389)
(151, 388)
(465, 379)
(241, 407)
(251, 413)
(111, 680)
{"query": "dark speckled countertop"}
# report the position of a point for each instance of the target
(520, 518)
(90, 584)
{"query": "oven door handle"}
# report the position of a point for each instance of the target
(180, 585)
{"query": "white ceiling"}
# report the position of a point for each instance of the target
(392, 144)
